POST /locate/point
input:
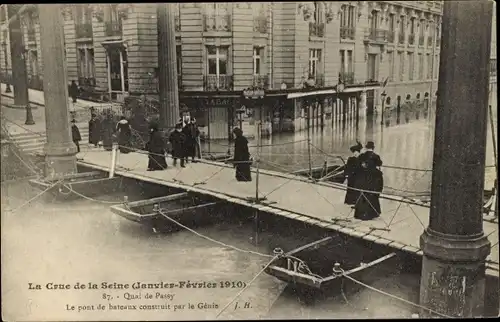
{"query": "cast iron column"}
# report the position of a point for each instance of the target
(60, 151)
(454, 244)
(18, 60)
(167, 63)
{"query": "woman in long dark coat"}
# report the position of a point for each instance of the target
(352, 168)
(191, 132)
(178, 139)
(94, 130)
(241, 156)
(107, 131)
(75, 134)
(372, 181)
(156, 149)
(124, 134)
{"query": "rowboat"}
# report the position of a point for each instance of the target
(322, 265)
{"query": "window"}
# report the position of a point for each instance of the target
(318, 12)
(412, 26)
(373, 20)
(420, 66)
(217, 17)
(33, 62)
(401, 66)
(314, 62)
(372, 67)
(86, 63)
(260, 17)
(429, 66)
(347, 16)
(401, 29)
(178, 56)
(83, 14)
(436, 66)
(217, 60)
(391, 65)
(411, 66)
(257, 60)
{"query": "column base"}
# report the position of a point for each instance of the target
(453, 275)
(60, 160)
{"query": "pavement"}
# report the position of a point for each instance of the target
(15, 118)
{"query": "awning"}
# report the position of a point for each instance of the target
(359, 89)
(321, 92)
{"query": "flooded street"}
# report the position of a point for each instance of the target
(405, 148)
(82, 241)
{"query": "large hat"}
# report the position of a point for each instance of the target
(355, 148)
(370, 145)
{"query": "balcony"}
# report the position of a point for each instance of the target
(177, 19)
(218, 83)
(411, 39)
(316, 29)
(260, 25)
(113, 28)
(346, 78)
(391, 36)
(217, 23)
(86, 81)
(430, 41)
(260, 81)
(401, 38)
(376, 35)
(84, 30)
(31, 35)
(347, 32)
(421, 40)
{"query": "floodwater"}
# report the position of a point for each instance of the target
(405, 148)
(82, 241)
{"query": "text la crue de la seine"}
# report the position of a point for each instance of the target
(136, 285)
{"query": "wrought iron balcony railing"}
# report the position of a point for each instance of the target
(113, 28)
(346, 77)
(411, 39)
(260, 25)
(261, 81)
(391, 36)
(31, 35)
(86, 81)
(218, 83)
(377, 35)
(316, 29)
(347, 32)
(217, 22)
(83, 30)
(401, 38)
(421, 40)
(177, 19)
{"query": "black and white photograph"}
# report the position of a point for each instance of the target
(249, 160)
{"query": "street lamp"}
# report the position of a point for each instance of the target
(7, 85)
(384, 94)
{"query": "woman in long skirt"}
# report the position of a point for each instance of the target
(352, 168)
(241, 156)
(368, 205)
(156, 149)
(124, 134)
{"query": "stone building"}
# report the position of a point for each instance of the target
(349, 53)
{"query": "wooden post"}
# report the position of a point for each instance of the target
(167, 66)
(18, 59)
(122, 75)
(60, 150)
(114, 157)
(454, 244)
(309, 139)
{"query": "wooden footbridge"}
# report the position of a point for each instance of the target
(399, 226)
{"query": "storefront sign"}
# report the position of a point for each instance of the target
(219, 102)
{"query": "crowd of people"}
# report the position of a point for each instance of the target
(364, 181)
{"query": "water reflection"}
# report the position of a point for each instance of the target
(407, 143)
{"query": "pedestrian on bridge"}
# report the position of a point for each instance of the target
(75, 134)
(241, 160)
(352, 169)
(94, 130)
(156, 148)
(192, 134)
(124, 134)
(178, 141)
(73, 91)
(107, 131)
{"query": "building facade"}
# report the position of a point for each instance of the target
(224, 48)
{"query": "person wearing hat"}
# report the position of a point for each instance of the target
(75, 135)
(124, 134)
(241, 160)
(371, 181)
(351, 170)
(192, 133)
(156, 149)
(178, 139)
(94, 130)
